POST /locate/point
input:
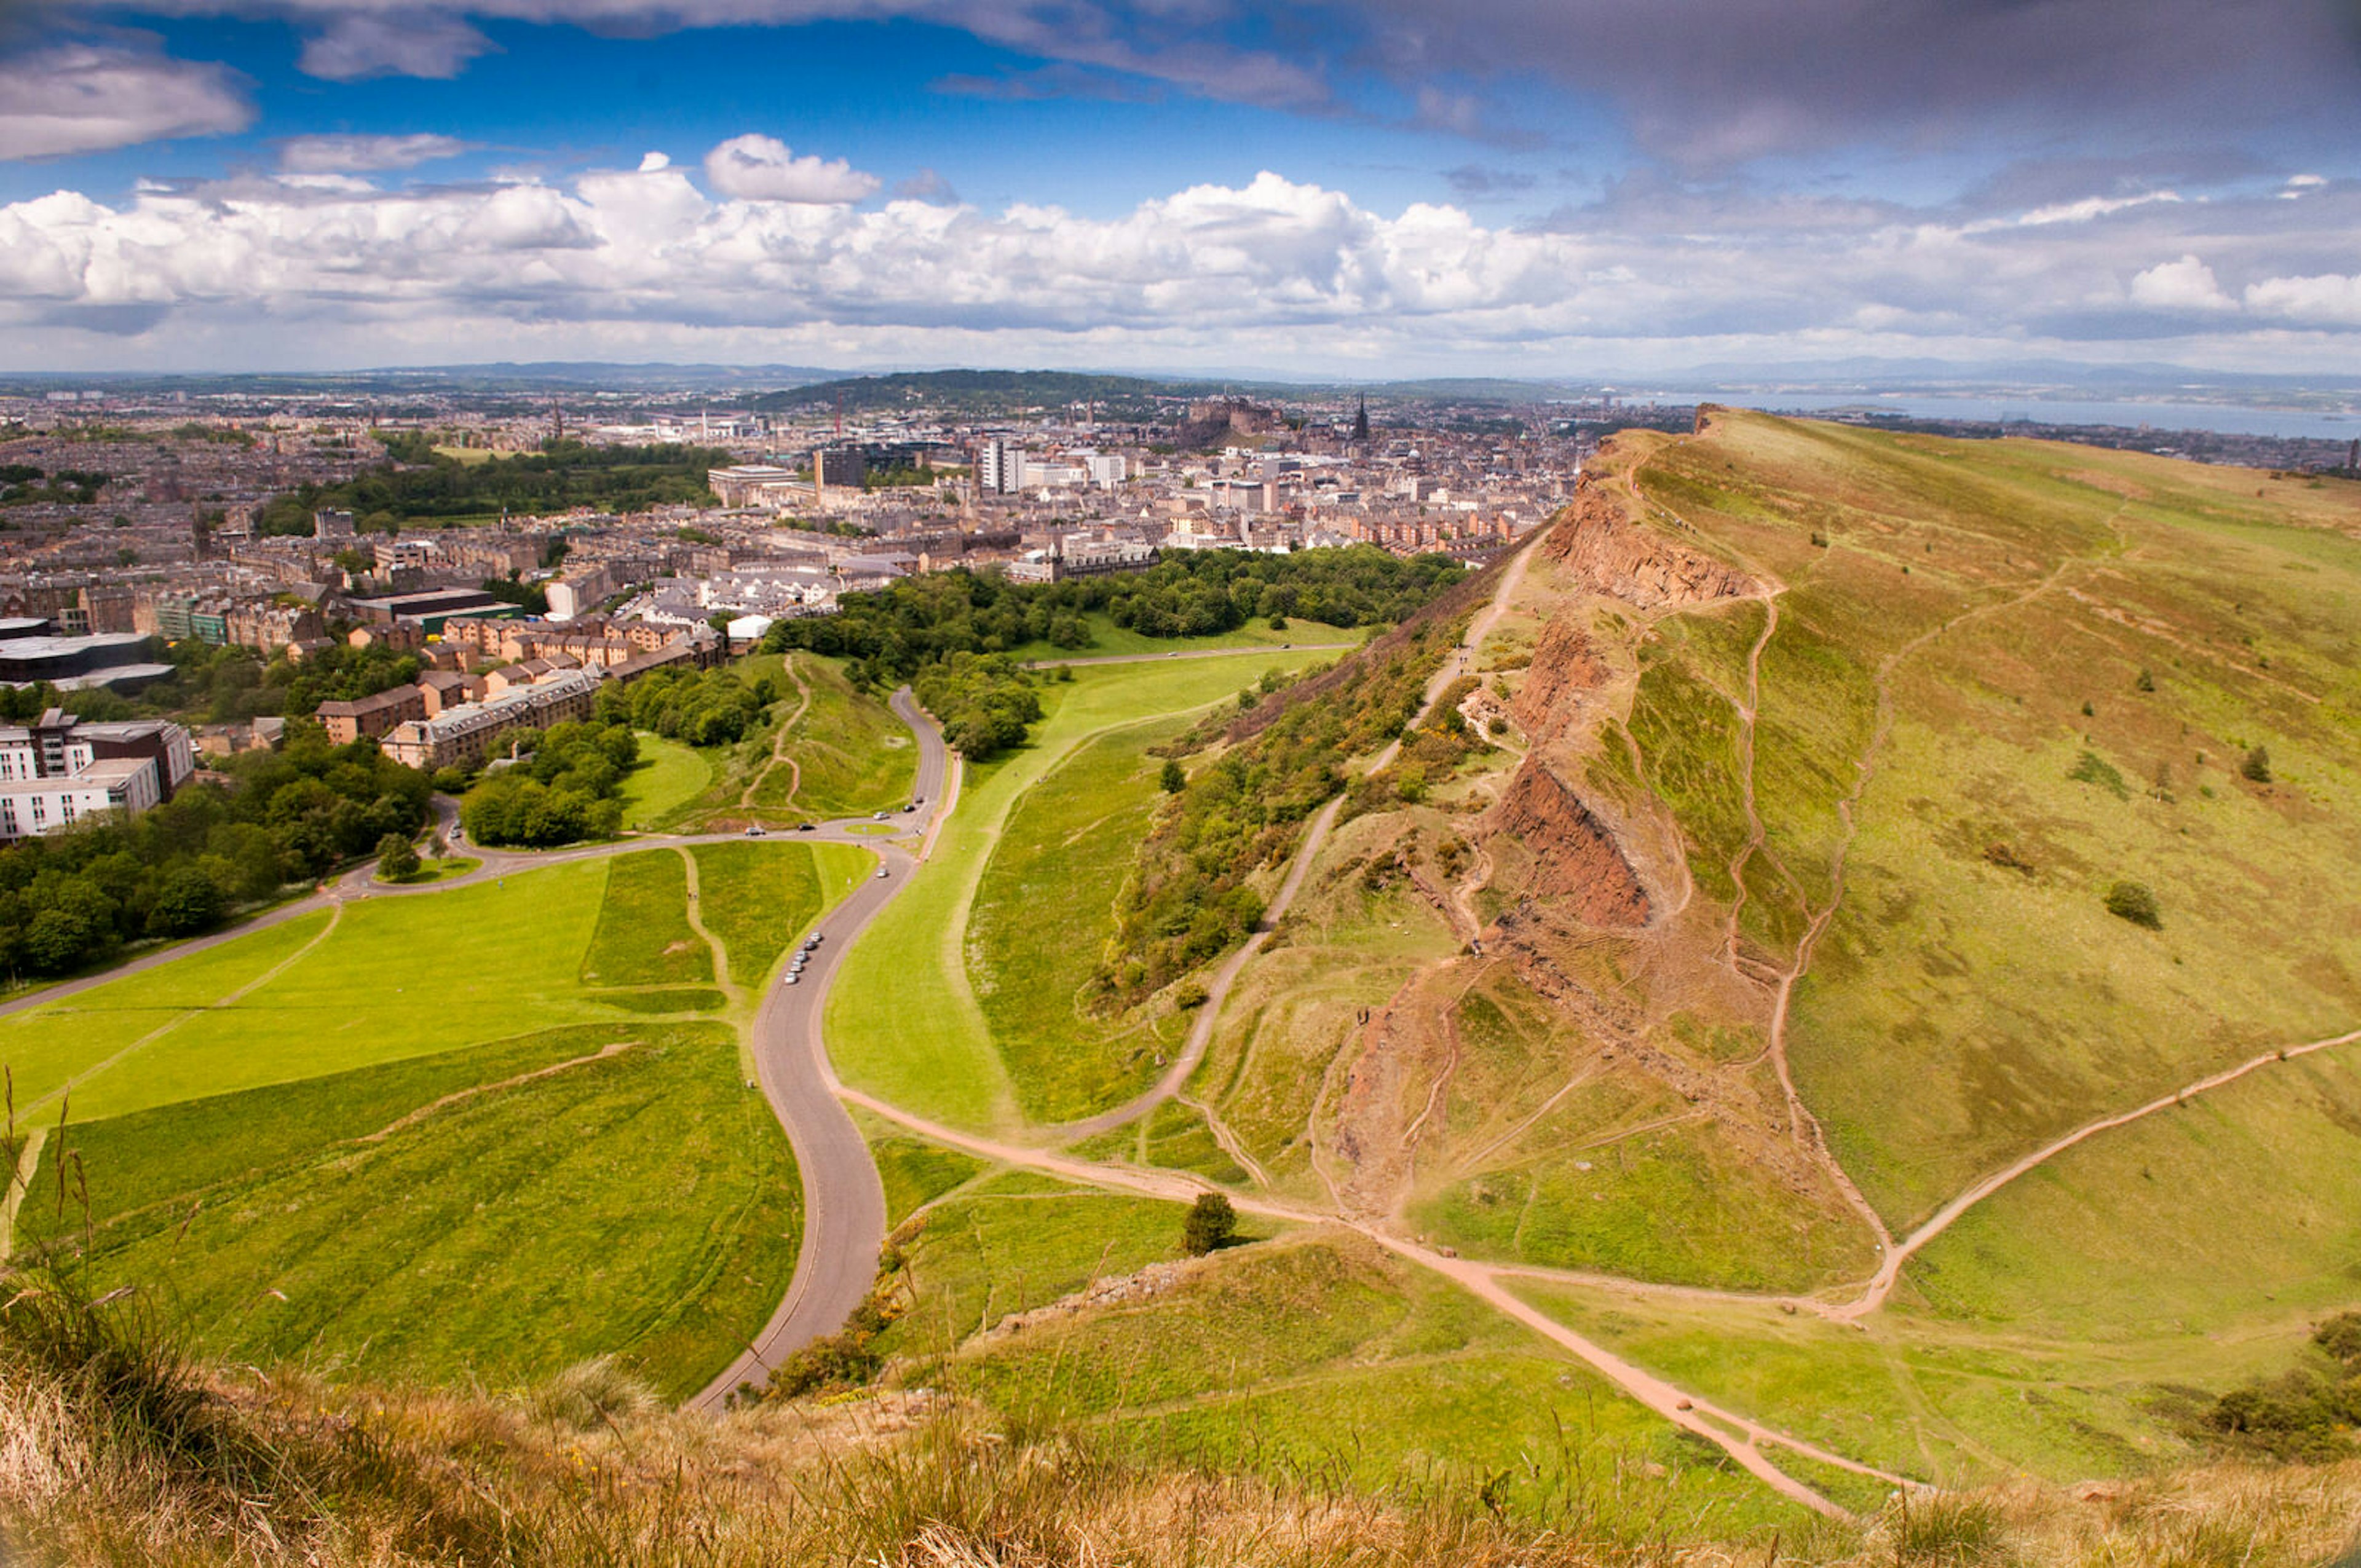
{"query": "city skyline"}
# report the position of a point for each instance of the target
(1374, 190)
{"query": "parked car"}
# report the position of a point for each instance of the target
(806, 827)
(754, 830)
(880, 873)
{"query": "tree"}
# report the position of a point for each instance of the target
(397, 857)
(1175, 778)
(2256, 768)
(1212, 1224)
(2131, 901)
(188, 901)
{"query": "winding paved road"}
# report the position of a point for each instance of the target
(844, 1203)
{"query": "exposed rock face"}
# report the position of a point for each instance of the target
(1567, 665)
(1575, 861)
(1608, 553)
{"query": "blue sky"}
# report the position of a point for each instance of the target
(1558, 187)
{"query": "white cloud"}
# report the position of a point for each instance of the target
(2328, 301)
(330, 154)
(83, 97)
(2187, 284)
(1272, 271)
(406, 41)
(762, 168)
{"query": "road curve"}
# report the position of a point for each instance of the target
(844, 1203)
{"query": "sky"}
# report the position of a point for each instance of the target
(1372, 188)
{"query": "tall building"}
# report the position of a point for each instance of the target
(999, 468)
(839, 465)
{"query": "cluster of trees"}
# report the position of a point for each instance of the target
(228, 686)
(2307, 1414)
(73, 897)
(696, 707)
(567, 791)
(22, 483)
(427, 485)
(1190, 898)
(985, 702)
(890, 633)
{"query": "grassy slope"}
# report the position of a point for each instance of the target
(1960, 1011)
(669, 775)
(43, 1048)
(902, 1021)
(1310, 1354)
(242, 1121)
(481, 1240)
(759, 897)
(1109, 641)
(2039, 579)
(1043, 914)
(852, 755)
(643, 937)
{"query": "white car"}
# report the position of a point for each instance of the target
(880, 873)
(791, 980)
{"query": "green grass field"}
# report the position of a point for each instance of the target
(442, 869)
(1042, 917)
(903, 1021)
(668, 777)
(327, 1141)
(758, 897)
(1110, 641)
(450, 1220)
(644, 937)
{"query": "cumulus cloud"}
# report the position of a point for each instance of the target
(2329, 300)
(1271, 266)
(2187, 284)
(764, 168)
(364, 154)
(406, 42)
(88, 97)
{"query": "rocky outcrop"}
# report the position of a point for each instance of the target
(1572, 861)
(1608, 553)
(1567, 665)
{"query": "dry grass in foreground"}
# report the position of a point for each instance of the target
(115, 1450)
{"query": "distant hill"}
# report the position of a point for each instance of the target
(987, 392)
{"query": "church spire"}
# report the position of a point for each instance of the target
(1361, 419)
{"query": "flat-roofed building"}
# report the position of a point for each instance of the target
(58, 770)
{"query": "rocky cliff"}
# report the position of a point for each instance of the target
(1572, 859)
(1607, 553)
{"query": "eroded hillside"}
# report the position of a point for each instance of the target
(1769, 951)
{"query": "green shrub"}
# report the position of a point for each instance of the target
(1212, 1226)
(2133, 902)
(2257, 766)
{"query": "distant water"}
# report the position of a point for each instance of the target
(2223, 418)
